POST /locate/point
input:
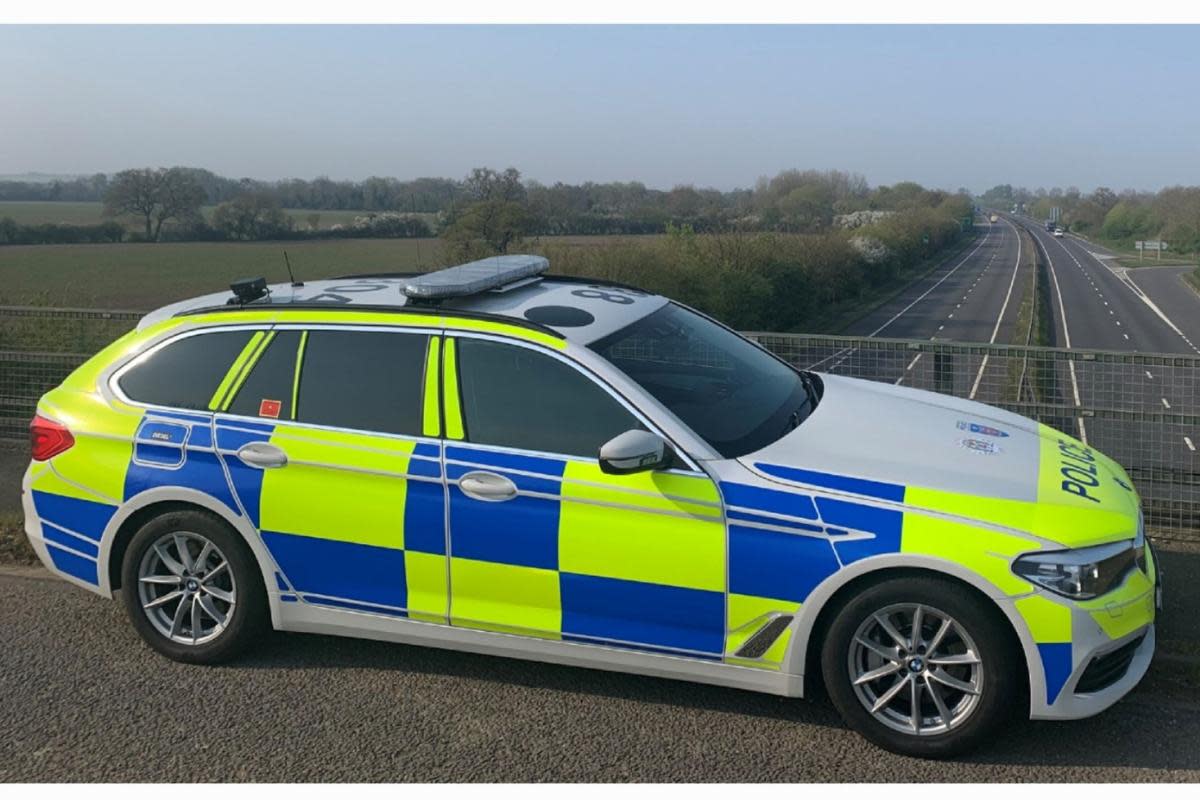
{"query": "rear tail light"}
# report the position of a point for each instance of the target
(48, 438)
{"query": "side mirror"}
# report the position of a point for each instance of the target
(634, 451)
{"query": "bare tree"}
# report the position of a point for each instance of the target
(155, 195)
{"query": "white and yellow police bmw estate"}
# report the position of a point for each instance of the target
(489, 459)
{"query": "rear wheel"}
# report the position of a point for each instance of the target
(921, 666)
(192, 588)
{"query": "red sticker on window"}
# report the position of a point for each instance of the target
(270, 408)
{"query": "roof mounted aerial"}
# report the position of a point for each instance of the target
(475, 277)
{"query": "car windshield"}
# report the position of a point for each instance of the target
(733, 394)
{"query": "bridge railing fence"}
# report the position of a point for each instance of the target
(1140, 408)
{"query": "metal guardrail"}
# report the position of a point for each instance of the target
(1142, 409)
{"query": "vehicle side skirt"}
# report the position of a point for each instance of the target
(307, 618)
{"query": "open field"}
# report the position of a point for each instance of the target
(145, 276)
(35, 212)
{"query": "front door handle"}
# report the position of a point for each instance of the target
(487, 486)
(262, 455)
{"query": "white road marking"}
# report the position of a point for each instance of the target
(913, 363)
(1148, 375)
(1166, 405)
(925, 293)
(846, 352)
(1188, 442)
(1126, 335)
(1003, 308)
(1062, 313)
(1122, 275)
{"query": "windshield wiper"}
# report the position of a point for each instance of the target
(801, 412)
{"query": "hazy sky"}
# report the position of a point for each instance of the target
(719, 106)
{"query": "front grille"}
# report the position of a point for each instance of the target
(1109, 668)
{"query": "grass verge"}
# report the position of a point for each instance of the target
(1127, 255)
(1193, 278)
(14, 547)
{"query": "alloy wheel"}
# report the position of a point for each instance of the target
(916, 669)
(186, 588)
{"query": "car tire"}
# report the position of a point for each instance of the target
(976, 698)
(192, 588)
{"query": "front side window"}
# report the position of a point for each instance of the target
(733, 394)
(364, 380)
(515, 397)
(186, 372)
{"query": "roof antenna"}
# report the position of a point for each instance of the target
(286, 261)
(412, 202)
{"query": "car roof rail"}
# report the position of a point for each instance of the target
(379, 309)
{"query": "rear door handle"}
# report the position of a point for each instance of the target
(487, 486)
(262, 455)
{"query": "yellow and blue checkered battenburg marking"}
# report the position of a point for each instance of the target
(373, 553)
(575, 555)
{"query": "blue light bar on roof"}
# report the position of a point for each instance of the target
(475, 277)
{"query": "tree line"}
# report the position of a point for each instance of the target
(1171, 214)
(486, 209)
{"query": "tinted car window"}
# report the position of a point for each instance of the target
(267, 391)
(363, 380)
(515, 397)
(186, 372)
(732, 393)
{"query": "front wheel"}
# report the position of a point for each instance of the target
(921, 667)
(192, 588)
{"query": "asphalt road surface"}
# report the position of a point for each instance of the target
(84, 700)
(972, 298)
(1098, 304)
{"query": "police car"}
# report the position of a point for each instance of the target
(491, 459)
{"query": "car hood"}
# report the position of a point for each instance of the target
(930, 451)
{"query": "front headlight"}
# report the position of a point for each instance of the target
(1080, 574)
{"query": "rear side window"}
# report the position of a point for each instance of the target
(363, 380)
(268, 390)
(186, 372)
(515, 397)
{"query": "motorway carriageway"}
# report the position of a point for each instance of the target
(972, 298)
(1099, 305)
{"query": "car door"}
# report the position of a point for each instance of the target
(542, 542)
(335, 457)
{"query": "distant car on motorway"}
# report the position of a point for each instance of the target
(1059, 232)
(994, 218)
(492, 459)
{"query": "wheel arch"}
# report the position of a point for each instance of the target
(140, 509)
(822, 604)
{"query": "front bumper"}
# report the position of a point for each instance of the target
(1112, 641)
(1071, 703)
